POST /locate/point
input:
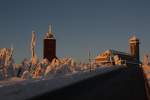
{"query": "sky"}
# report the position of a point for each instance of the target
(79, 26)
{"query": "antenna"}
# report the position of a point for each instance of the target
(90, 61)
(50, 28)
(89, 56)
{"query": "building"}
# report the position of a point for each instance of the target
(134, 48)
(118, 58)
(49, 51)
(114, 57)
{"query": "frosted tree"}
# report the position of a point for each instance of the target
(146, 59)
(6, 62)
(33, 43)
(24, 66)
(26, 75)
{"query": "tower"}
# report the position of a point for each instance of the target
(134, 48)
(49, 51)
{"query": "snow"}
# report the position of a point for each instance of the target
(19, 89)
(30, 79)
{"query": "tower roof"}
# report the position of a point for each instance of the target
(133, 38)
(49, 34)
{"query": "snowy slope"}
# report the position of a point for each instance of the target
(19, 89)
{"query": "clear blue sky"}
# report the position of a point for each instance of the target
(79, 25)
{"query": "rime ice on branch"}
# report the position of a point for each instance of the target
(33, 43)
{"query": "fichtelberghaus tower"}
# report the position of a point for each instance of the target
(49, 51)
(134, 47)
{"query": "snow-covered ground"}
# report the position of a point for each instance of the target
(19, 89)
(28, 79)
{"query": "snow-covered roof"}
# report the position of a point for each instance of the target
(133, 38)
(111, 52)
(49, 34)
(115, 52)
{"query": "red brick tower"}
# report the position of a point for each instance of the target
(49, 51)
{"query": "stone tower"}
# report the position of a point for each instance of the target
(49, 51)
(134, 47)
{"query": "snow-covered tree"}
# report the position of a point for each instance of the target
(6, 62)
(146, 59)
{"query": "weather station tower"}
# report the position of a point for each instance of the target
(49, 51)
(134, 48)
